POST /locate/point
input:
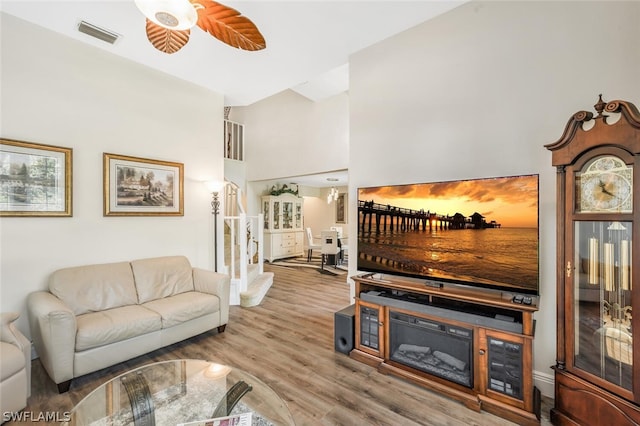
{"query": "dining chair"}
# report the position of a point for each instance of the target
(311, 246)
(341, 242)
(330, 249)
(338, 229)
(344, 249)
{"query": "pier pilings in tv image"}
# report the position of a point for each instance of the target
(402, 219)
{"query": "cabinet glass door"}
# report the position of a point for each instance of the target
(370, 335)
(505, 369)
(287, 215)
(276, 215)
(266, 212)
(298, 224)
(602, 294)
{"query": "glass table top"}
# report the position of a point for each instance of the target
(180, 391)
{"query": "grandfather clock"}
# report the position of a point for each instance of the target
(597, 372)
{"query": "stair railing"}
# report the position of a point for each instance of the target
(245, 242)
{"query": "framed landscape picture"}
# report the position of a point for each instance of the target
(35, 179)
(341, 208)
(142, 187)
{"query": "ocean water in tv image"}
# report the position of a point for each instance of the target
(497, 257)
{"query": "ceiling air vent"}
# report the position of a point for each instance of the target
(97, 32)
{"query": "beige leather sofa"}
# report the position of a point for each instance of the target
(15, 367)
(96, 316)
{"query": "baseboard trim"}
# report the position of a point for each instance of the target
(545, 382)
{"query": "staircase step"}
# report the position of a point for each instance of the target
(253, 270)
(258, 288)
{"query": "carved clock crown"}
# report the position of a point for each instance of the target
(626, 129)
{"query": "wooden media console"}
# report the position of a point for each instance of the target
(473, 345)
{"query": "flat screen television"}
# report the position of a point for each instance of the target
(476, 232)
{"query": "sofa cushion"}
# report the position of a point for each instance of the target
(113, 325)
(184, 307)
(93, 288)
(160, 277)
(12, 360)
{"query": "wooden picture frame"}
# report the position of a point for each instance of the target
(136, 186)
(35, 179)
(341, 208)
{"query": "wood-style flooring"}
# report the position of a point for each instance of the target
(288, 342)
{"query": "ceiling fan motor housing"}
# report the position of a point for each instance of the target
(167, 19)
(171, 14)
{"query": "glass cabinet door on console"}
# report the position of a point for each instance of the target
(507, 370)
(369, 328)
(597, 375)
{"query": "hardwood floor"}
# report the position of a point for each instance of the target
(287, 342)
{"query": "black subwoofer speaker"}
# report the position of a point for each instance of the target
(344, 322)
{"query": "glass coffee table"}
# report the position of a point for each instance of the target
(180, 391)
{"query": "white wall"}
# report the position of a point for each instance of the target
(289, 135)
(477, 92)
(61, 92)
(319, 215)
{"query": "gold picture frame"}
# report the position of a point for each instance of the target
(136, 186)
(35, 179)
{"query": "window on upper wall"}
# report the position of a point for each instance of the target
(233, 140)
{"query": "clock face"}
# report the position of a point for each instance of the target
(605, 185)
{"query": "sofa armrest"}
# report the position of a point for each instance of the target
(53, 330)
(10, 334)
(217, 284)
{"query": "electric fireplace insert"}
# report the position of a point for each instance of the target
(434, 347)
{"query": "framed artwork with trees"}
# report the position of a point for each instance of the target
(142, 187)
(35, 179)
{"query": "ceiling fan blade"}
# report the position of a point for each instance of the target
(228, 25)
(166, 40)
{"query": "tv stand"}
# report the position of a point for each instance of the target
(473, 345)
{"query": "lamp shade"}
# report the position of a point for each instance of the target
(171, 14)
(214, 186)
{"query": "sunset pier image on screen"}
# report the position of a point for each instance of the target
(480, 232)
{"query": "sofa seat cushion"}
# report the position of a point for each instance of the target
(184, 307)
(113, 325)
(12, 360)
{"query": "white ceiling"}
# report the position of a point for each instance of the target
(308, 45)
(308, 42)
